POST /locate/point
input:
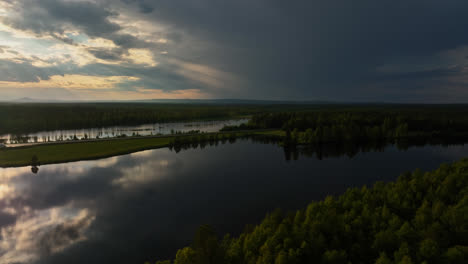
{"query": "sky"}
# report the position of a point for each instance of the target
(336, 50)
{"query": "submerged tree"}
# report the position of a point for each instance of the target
(35, 164)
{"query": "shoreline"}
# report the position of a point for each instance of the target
(63, 152)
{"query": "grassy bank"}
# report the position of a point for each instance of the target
(89, 150)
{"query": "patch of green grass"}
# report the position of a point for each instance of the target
(75, 151)
(279, 133)
(57, 153)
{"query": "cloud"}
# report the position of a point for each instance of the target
(59, 18)
(56, 17)
(113, 54)
(141, 57)
(145, 6)
(265, 49)
(204, 74)
(313, 49)
(64, 234)
(41, 233)
(11, 71)
(74, 82)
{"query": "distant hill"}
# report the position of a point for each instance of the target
(231, 101)
(200, 101)
(35, 100)
(25, 100)
(176, 101)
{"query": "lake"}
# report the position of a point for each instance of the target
(145, 205)
(118, 131)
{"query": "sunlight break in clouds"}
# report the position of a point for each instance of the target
(82, 50)
(74, 82)
(263, 50)
(142, 94)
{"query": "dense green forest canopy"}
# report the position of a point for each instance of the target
(20, 118)
(24, 118)
(33, 117)
(365, 123)
(419, 218)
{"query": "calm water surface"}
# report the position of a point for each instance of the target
(143, 206)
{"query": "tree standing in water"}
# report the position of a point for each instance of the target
(34, 164)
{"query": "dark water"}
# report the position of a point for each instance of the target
(145, 205)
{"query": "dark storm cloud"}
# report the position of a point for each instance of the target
(128, 41)
(88, 16)
(107, 54)
(145, 6)
(24, 71)
(336, 50)
(55, 17)
(315, 48)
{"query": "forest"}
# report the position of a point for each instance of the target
(21, 118)
(419, 218)
(365, 124)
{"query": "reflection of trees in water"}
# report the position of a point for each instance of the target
(351, 149)
(201, 140)
(322, 151)
(319, 150)
(35, 164)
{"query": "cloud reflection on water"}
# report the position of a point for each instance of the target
(138, 207)
(46, 213)
(38, 233)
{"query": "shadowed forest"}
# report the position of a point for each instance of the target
(33, 117)
(364, 125)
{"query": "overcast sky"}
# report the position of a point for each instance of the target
(340, 50)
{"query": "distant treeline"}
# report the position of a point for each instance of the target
(419, 218)
(33, 117)
(18, 118)
(26, 118)
(364, 124)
